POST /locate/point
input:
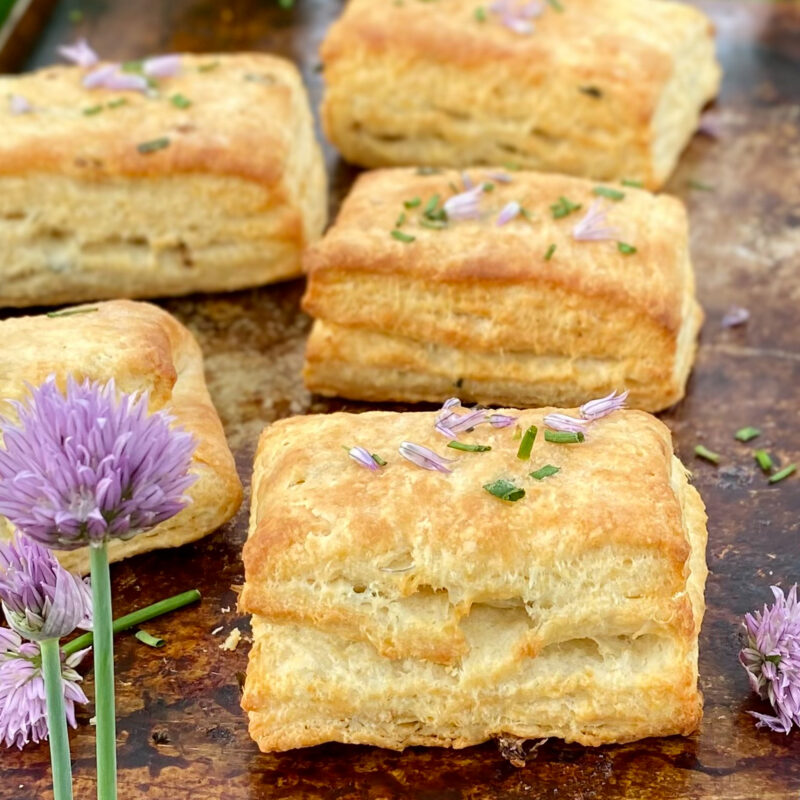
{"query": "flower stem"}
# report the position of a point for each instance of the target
(138, 617)
(104, 674)
(56, 720)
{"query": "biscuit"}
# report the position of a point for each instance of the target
(214, 182)
(521, 314)
(404, 606)
(606, 90)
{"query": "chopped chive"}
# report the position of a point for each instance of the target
(92, 110)
(147, 638)
(512, 165)
(592, 91)
(429, 171)
(549, 254)
(120, 101)
(400, 220)
(153, 145)
(412, 203)
(563, 437)
(763, 459)
(75, 16)
(526, 445)
(700, 186)
(435, 224)
(71, 312)
(517, 433)
(132, 66)
(626, 249)
(378, 460)
(555, 5)
(564, 208)
(525, 213)
(403, 237)
(453, 188)
(634, 184)
(480, 14)
(709, 455)
(430, 206)
(208, 67)
(607, 191)
(488, 186)
(470, 448)
(505, 490)
(747, 433)
(179, 101)
(784, 473)
(545, 472)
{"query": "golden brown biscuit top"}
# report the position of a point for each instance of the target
(534, 247)
(239, 120)
(319, 514)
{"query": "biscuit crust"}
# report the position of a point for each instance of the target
(406, 606)
(144, 349)
(229, 202)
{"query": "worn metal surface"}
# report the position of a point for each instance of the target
(181, 732)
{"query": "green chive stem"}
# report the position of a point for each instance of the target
(544, 472)
(469, 448)
(104, 674)
(784, 473)
(56, 720)
(747, 433)
(709, 455)
(563, 437)
(526, 445)
(763, 459)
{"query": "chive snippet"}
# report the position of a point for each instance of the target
(119, 101)
(378, 460)
(92, 110)
(549, 254)
(626, 249)
(747, 433)
(607, 191)
(469, 448)
(400, 220)
(545, 472)
(700, 186)
(526, 444)
(208, 67)
(430, 206)
(480, 14)
(563, 437)
(153, 145)
(429, 171)
(632, 183)
(403, 237)
(556, 5)
(564, 208)
(71, 312)
(709, 455)
(180, 101)
(505, 490)
(412, 203)
(147, 638)
(434, 224)
(763, 460)
(784, 473)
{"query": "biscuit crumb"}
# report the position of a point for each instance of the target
(231, 643)
(216, 630)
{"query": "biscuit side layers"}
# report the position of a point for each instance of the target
(231, 192)
(143, 349)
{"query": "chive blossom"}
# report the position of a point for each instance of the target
(709, 455)
(505, 490)
(469, 448)
(784, 473)
(544, 472)
(526, 444)
(763, 459)
(563, 437)
(747, 433)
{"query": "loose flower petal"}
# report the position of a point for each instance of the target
(595, 409)
(423, 457)
(510, 210)
(110, 76)
(465, 205)
(167, 66)
(79, 53)
(17, 104)
(565, 424)
(501, 420)
(499, 177)
(735, 315)
(516, 16)
(593, 227)
(363, 457)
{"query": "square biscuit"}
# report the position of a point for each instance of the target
(143, 348)
(606, 90)
(107, 194)
(521, 314)
(405, 606)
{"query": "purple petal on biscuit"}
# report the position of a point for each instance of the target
(510, 210)
(595, 409)
(423, 457)
(734, 316)
(565, 424)
(363, 457)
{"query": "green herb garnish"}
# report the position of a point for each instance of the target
(746, 434)
(179, 101)
(91, 110)
(208, 67)
(70, 312)
(763, 459)
(469, 448)
(512, 165)
(378, 460)
(153, 145)
(700, 186)
(634, 184)
(784, 473)
(429, 171)
(403, 237)
(412, 203)
(480, 14)
(526, 445)
(132, 66)
(75, 16)
(505, 490)
(120, 101)
(435, 224)
(147, 638)
(545, 472)
(626, 249)
(709, 455)
(564, 208)
(549, 254)
(606, 191)
(430, 206)
(563, 437)
(592, 91)
(555, 5)
(400, 220)
(488, 186)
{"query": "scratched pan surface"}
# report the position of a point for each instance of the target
(181, 733)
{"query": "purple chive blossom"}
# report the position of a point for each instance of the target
(595, 409)
(91, 465)
(41, 600)
(111, 76)
(565, 424)
(735, 315)
(167, 66)
(23, 714)
(499, 177)
(17, 104)
(467, 181)
(772, 659)
(516, 16)
(710, 125)
(501, 420)
(79, 53)
(423, 457)
(363, 457)
(510, 210)
(466, 205)
(450, 424)
(593, 227)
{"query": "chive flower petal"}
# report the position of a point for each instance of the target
(510, 210)
(735, 316)
(364, 458)
(17, 104)
(166, 66)
(596, 409)
(79, 53)
(565, 424)
(424, 457)
(593, 227)
(466, 205)
(501, 420)
(111, 76)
